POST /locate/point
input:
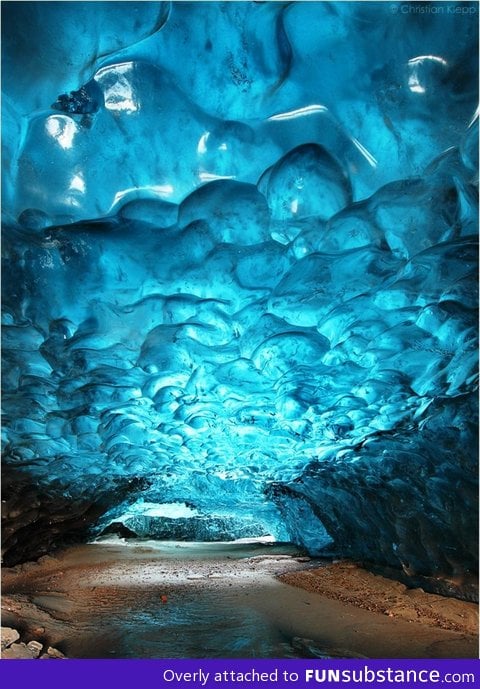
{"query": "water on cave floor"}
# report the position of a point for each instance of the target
(194, 624)
(147, 599)
(168, 599)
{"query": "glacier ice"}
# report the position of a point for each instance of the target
(240, 273)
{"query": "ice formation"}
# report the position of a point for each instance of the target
(240, 274)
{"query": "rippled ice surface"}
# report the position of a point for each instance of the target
(240, 274)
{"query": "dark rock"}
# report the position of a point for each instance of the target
(118, 529)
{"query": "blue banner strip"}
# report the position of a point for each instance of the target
(239, 673)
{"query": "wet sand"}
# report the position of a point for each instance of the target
(350, 583)
(221, 600)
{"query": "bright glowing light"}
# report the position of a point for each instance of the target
(171, 510)
(432, 58)
(62, 129)
(163, 190)
(301, 112)
(414, 80)
(475, 117)
(371, 160)
(414, 85)
(202, 144)
(119, 94)
(210, 176)
(77, 183)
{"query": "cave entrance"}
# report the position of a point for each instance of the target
(181, 521)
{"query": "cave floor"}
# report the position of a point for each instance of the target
(174, 600)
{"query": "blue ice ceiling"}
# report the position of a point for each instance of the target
(239, 280)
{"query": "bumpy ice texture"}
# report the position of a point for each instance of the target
(239, 282)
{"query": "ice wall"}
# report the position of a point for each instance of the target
(240, 274)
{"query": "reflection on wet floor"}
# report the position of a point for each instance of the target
(190, 623)
(171, 600)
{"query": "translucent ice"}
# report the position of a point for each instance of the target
(240, 275)
(307, 181)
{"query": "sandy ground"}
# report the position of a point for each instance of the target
(94, 600)
(347, 582)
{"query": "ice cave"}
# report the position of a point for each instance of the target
(239, 288)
